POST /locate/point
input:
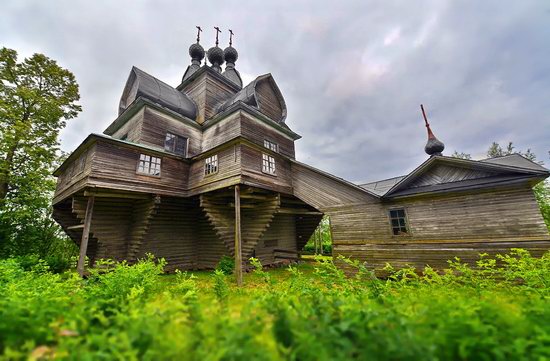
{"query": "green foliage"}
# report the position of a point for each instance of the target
(499, 310)
(461, 155)
(37, 96)
(226, 265)
(221, 289)
(542, 194)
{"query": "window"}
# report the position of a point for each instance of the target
(175, 144)
(398, 222)
(268, 164)
(211, 165)
(149, 165)
(270, 145)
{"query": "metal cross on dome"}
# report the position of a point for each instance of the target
(218, 31)
(198, 33)
(231, 37)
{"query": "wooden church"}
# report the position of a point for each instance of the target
(208, 169)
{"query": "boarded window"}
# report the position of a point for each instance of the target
(271, 145)
(175, 144)
(211, 165)
(398, 221)
(149, 165)
(268, 164)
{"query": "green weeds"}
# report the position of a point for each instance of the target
(499, 310)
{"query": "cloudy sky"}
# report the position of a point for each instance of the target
(353, 73)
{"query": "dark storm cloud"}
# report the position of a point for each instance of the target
(353, 73)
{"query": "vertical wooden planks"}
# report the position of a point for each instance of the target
(238, 254)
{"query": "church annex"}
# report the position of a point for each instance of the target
(206, 169)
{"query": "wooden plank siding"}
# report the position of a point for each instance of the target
(132, 128)
(115, 167)
(257, 132)
(157, 124)
(208, 93)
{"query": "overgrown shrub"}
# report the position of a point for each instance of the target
(226, 265)
(134, 313)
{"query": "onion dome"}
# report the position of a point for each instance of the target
(215, 57)
(434, 146)
(230, 54)
(196, 51)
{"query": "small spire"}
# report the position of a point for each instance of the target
(434, 146)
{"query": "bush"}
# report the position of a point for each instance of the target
(226, 265)
(131, 312)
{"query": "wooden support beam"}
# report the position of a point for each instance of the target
(117, 195)
(299, 211)
(78, 226)
(238, 241)
(85, 235)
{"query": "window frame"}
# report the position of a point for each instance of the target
(270, 161)
(271, 145)
(408, 232)
(210, 162)
(80, 163)
(150, 161)
(176, 139)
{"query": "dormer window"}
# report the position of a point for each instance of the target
(268, 164)
(148, 165)
(398, 220)
(271, 145)
(175, 144)
(211, 165)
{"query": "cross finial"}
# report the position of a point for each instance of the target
(198, 33)
(218, 31)
(231, 37)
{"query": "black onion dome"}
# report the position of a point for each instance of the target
(215, 56)
(196, 51)
(434, 146)
(230, 54)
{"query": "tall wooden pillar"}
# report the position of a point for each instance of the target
(85, 235)
(238, 241)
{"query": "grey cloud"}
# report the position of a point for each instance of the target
(353, 73)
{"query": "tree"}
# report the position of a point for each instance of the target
(37, 97)
(461, 155)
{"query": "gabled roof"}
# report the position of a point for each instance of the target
(473, 174)
(250, 96)
(141, 84)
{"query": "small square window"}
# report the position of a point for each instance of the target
(268, 164)
(398, 222)
(175, 144)
(271, 145)
(149, 165)
(211, 165)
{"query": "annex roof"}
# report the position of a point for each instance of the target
(473, 174)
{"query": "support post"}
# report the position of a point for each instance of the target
(85, 235)
(238, 241)
(320, 238)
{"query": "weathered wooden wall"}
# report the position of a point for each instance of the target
(269, 101)
(208, 92)
(156, 125)
(441, 227)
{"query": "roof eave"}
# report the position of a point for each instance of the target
(136, 106)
